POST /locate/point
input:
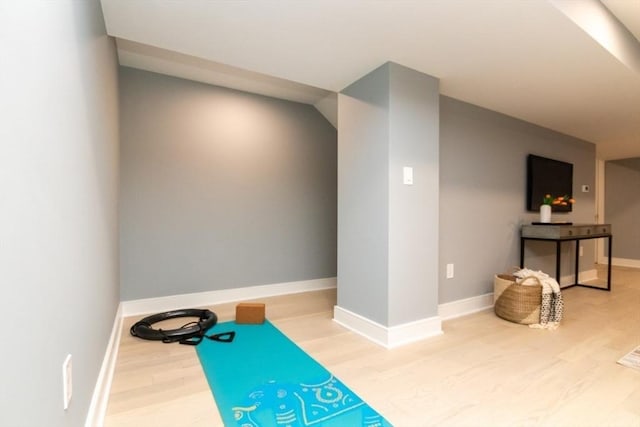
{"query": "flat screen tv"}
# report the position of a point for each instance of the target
(548, 176)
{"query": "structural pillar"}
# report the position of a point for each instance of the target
(388, 192)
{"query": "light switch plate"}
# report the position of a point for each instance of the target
(449, 271)
(407, 175)
(67, 387)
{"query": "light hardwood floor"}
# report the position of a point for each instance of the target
(483, 371)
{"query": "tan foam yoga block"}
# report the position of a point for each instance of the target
(249, 312)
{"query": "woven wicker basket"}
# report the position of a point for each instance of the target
(514, 302)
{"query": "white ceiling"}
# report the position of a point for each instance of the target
(628, 12)
(522, 58)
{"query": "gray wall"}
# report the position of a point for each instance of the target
(622, 206)
(58, 220)
(413, 209)
(221, 189)
(482, 196)
(388, 231)
(363, 196)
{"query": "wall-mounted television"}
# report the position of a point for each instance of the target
(548, 176)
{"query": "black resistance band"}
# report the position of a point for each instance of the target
(191, 333)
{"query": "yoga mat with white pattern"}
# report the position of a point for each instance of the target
(264, 379)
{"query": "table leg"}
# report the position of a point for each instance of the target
(609, 265)
(577, 267)
(558, 261)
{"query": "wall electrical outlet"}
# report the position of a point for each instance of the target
(581, 250)
(67, 385)
(449, 271)
(585, 188)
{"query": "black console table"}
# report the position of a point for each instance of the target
(567, 232)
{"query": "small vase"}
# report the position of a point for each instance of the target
(545, 213)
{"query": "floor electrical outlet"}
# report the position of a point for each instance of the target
(67, 387)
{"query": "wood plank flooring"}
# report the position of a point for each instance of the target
(483, 371)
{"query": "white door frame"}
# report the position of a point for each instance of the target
(600, 218)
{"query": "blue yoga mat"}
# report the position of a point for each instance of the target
(263, 379)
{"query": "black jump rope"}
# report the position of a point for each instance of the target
(191, 333)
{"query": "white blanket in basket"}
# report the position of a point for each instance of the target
(551, 305)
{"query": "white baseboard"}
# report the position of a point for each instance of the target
(478, 303)
(389, 337)
(414, 331)
(621, 262)
(583, 276)
(587, 275)
(200, 299)
(100, 398)
(463, 307)
(98, 407)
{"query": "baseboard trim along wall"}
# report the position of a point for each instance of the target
(389, 337)
(200, 299)
(463, 307)
(621, 262)
(97, 410)
(100, 398)
(583, 276)
(415, 331)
